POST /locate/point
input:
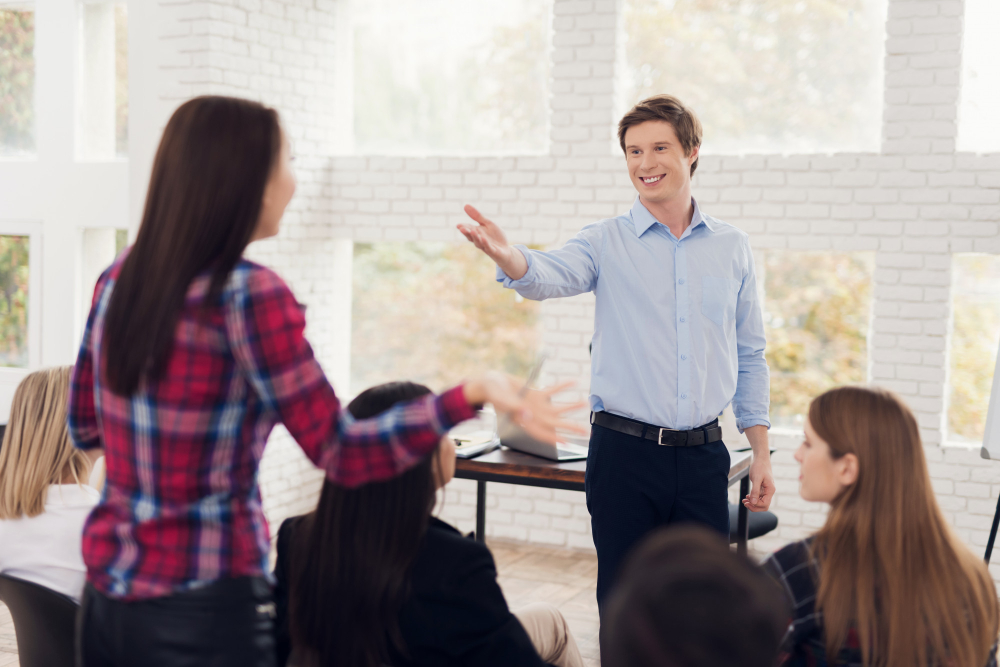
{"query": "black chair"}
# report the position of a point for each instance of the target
(44, 623)
(761, 523)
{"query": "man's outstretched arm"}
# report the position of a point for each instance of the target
(536, 274)
(489, 238)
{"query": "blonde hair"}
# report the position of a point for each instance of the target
(37, 450)
(889, 564)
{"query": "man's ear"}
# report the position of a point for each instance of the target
(694, 155)
(848, 469)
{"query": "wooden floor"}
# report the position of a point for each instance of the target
(528, 573)
(563, 577)
(8, 645)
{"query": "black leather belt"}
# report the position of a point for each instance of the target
(710, 432)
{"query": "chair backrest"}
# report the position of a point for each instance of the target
(44, 623)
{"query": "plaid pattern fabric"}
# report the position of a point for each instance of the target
(797, 570)
(181, 506)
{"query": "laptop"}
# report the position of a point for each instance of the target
(515, 437)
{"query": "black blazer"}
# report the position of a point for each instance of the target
(456, 614)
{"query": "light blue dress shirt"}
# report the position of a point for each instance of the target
(678, 332)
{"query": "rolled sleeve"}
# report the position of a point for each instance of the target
(567, 271)
(523, 281)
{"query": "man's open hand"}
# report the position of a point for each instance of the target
(489, 238)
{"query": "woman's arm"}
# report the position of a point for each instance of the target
(82, 412)
(265, 329)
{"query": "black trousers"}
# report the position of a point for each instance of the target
(229, 623)
(634, 485)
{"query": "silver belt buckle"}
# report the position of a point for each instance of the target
(659, 437)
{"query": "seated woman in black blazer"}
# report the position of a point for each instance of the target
(371, 578)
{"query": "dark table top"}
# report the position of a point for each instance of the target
(513, 467)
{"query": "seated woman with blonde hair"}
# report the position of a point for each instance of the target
(45, 495)
(885, 581)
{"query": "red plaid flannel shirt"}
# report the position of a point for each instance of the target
(181, 506)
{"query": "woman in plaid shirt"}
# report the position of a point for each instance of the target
(885, 582)
(190, 357)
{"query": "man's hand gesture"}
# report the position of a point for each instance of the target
(762, 485)
(491, 240)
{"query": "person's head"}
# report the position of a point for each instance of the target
(661, 139)
(889, 564)
(683, 599)
(221, 179)
(37, 450)
(352, 555)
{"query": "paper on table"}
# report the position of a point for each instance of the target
(475, 436)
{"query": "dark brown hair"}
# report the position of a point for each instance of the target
(889, 565)
(669, 109)
(351, 558)
(683, 599)
(203, 204)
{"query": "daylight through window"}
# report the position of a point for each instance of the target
(979, 105)
(17, 83)
(817, 309)
(975, 334)
(102, 103)
(446, 76)
(14, 277)
(433, 313)
(764, 76)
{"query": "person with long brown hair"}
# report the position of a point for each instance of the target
(45, 495)
(371, 578)
(190, 357)
(885, 582)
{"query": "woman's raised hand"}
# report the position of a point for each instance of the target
(532, 410)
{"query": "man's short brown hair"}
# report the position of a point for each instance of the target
(669, 109)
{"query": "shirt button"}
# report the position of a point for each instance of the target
(684, 357)
(682, 319)
(681, 281)
(684, 395)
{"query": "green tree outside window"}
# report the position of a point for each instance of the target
(17, 82)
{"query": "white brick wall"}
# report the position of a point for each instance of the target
(913, 203)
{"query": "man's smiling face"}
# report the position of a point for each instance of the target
(657, 165)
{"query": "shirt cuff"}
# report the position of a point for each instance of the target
(452, 408)
(743, 423)
(523, 281)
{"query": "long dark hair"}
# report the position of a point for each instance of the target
(350, 558)
(202, 207)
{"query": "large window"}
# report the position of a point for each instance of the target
(450, 76)
(102, 90)
(14, 279)
(433, 313)
(763, 75)
(975, 293)
(817, 309)
(979, 107)
(17, 82)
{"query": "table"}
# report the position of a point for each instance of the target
(513, 467)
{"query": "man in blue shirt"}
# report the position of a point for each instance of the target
(678, 336)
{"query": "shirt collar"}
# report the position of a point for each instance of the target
(642, 219)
